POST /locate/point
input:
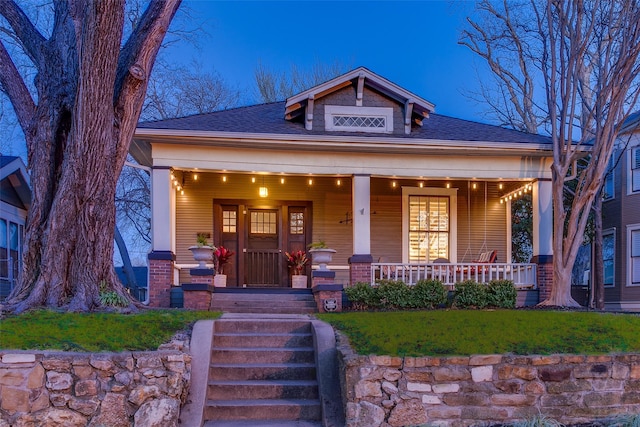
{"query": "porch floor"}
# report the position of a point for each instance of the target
(263, 300)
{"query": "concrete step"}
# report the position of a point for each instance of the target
(281, 371)
(270, 297)
(263, 389)
(265, 326)
(262, 355)
(263, 310)
(264, 423)
(262, 340)
(263, 409)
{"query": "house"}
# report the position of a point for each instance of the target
(621, 221)
(358, 162)
(15, 199)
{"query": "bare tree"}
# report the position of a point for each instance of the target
(587, 55)
(90, 88)
(185, 90)
(276, 86)
(503, 36)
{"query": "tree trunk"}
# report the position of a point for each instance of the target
(598, 261)
(90, 93)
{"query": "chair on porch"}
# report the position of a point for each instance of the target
(489, 257)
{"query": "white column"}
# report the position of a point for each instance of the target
(361, 204)
(542, 218)
(163, 211)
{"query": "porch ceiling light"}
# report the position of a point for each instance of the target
(393, 184)
(263, 192)
(310, 181)
(253, 179)
(281, 180)
(224, 178)
(338, 182)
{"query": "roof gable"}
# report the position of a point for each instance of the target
(14, 182)
(415, 108)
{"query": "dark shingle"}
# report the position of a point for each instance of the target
(269, 118)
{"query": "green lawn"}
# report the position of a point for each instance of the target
(95, 332)
(467, 332)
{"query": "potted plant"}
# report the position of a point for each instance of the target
(222, 258)
(297, 260)
(202, 251)
(321, 254)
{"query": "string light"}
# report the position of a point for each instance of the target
(519, 192)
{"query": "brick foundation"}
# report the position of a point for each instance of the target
(160, 278)
(544, 275)
(360, 269)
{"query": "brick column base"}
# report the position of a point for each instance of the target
(160, 278)
(544, 275)
(328, 298)
(360, 269)
(197, 296)
(201, 275)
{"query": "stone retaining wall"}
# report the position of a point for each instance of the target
(141, 389)
(484, 390)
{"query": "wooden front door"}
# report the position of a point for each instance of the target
(263, 253)
(260, 234)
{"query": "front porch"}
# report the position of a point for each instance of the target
(404, 229)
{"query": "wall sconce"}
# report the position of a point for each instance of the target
(310, 181)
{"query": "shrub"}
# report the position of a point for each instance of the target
(470, 294)
(501, 294)
(394, 294)
(429, 294)
(363, 296)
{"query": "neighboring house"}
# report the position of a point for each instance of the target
(357, 162)
(621, 221)
(15, 199)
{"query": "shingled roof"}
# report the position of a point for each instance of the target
(269, 119)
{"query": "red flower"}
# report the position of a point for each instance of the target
(296, 261)
(223, 255)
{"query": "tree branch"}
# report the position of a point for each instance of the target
(135, 63)
(30, 38)
(13, 85)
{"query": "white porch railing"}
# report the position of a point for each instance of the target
(522, 275)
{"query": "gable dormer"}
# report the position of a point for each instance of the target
(358, 101)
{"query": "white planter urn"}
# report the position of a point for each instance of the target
(322, 256)
(202, 254)
(299, 281)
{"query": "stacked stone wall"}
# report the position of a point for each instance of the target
(141, 389)
(486, 390)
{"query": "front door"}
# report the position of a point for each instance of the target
(260, 234)
(263, 255)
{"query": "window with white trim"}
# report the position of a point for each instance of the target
(608, 190)
(429, 224)
(358, 119)
(608, 256)
(633, 247)
(634, 170)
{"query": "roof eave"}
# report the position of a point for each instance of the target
(334, 142)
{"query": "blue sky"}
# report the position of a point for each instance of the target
(412, 43)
